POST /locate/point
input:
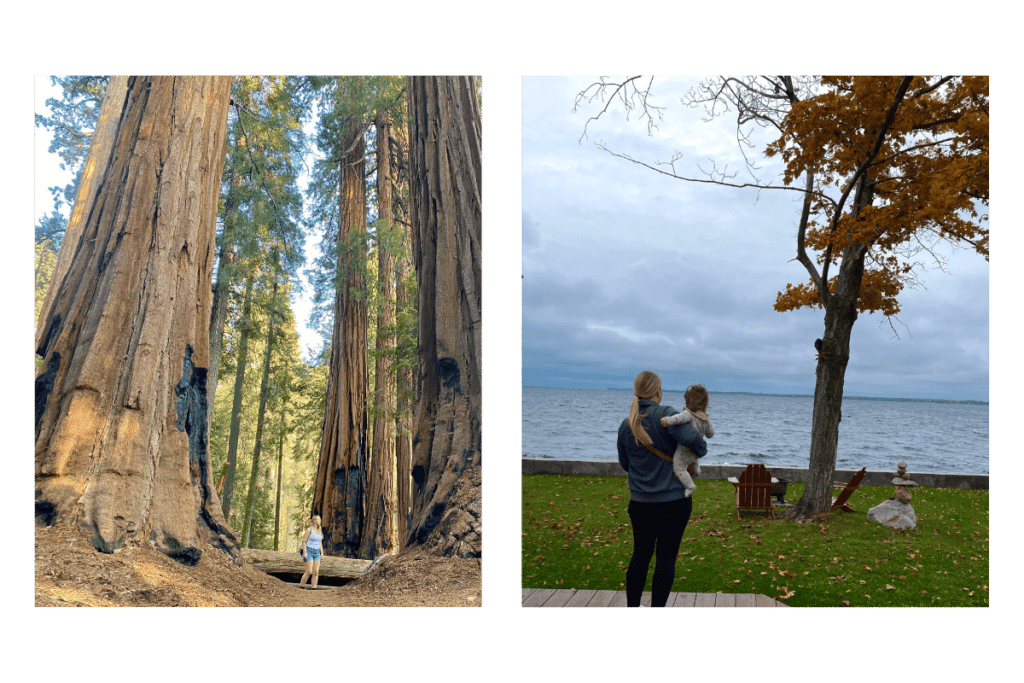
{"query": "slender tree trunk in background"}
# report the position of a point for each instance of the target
(121, 429)
(340, 476)
(404, 377)
(445, 188)
(236, 401)
(90, 184)
(219, 312)
(250, 499)
(379, 534)
(280, 473)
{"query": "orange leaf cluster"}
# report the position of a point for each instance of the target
(925, 170)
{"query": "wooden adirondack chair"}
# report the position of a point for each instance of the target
(754, 489)
(848, 489)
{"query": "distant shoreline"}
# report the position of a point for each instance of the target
(752, 393)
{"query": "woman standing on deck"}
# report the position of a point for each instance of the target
(311, 545)
(658, 507)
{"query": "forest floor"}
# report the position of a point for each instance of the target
(71, 573)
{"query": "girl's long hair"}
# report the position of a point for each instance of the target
(314, 523)
(647, 385)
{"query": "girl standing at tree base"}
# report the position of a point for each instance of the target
(311, 543)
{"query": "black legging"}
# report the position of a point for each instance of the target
(656, 526)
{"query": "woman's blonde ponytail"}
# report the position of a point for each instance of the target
(647, 385)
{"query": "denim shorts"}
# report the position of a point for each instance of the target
(312, 554)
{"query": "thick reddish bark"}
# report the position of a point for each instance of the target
(340, 476)
(121, 427)
(446, 198)
(379, 535)
(100, 146)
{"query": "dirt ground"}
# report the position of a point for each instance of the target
(71, 573)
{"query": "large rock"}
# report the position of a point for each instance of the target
(895, 514)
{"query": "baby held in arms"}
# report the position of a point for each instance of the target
(696, 398)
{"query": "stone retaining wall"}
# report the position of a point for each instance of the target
(604, 468)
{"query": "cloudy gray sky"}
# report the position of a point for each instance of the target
(625, 269)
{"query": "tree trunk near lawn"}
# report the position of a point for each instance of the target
(121, 430)
(840, 315)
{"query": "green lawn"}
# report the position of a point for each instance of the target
(576, 534)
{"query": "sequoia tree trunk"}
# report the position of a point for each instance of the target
(121, 432)
(380, 534)
(445, 188)
(340, 476)
(89, 185)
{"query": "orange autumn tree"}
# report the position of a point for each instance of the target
(908, 158)
(890, 165)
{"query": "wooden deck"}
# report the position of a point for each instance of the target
(550, 597)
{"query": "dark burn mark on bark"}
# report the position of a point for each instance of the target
(101, 543)
(418, 476)
(44, 386)
(46, 513)
(191, 395)
(51, 331)
(348, 481)
(420, 535)
(186, 555)
(191, 408)
(448, 371)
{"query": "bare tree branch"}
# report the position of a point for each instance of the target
(801, 250)
(711, 180)
(926, 90)
(620, 88)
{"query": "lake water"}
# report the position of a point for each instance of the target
(579, 424)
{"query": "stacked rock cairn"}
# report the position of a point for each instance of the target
(903, 483)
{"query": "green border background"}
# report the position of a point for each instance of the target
(501, 640)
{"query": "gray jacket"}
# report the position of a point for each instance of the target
(650, 478)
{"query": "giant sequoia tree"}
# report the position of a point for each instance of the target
(381, 534)
(890, 165)
(445, 188)
(340, 479)
(121, 427)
